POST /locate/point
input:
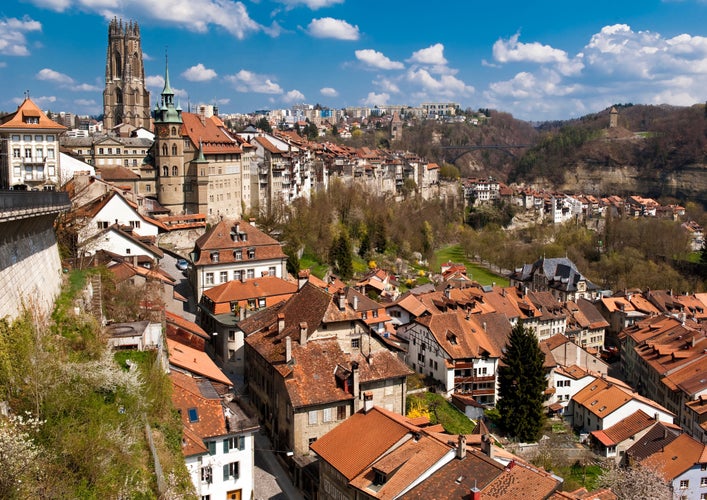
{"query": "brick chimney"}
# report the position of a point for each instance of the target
(475, 493)
(303, 333)
(302, 278)
(487, 445)
(288, 349)
(461, 447)
(342, 300)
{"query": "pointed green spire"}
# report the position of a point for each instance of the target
(200, 157)
(167, 89)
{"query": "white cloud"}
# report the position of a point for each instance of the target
(146, 56)
(328, 92)
(328, 27)
(373, 99)
(387, 85)
(13, 31)
(199, 73)
(512, 50)
(155, 82)
(193, 15)
(293, 96)
(50, 75)
(312, 4)
(432, 55)
(247, 81)
(447, 86)
(42, 101)
(65, 81)
(86, 103)
(377, 59)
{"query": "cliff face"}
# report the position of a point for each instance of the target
(689, 182)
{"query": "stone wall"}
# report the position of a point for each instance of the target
(30, 268)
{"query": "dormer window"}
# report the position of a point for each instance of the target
(214, 256)
(238, 254)
(451, 338)
(380, 477)
(251, 253)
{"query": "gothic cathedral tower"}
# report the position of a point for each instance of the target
(169, 152)
(125, 98)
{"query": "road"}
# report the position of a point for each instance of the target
(186, 310)
(271, 480)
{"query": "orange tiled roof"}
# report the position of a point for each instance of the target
(210, 133)
(266, 286)
(625, 428)
(195, 361)
(676, 457)
(29, 109)
(460, 337)
(219, 239)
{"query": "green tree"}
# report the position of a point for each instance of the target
(264, 125)
(340, 256)
(521, 386)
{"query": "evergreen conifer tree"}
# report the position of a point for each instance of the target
(521, 386)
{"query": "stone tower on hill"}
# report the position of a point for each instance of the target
(613, 117)
(125, 98)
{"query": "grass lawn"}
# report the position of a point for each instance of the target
(476, 272)
(310, 262)
(441, 412)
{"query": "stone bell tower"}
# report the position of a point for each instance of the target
(125, 98)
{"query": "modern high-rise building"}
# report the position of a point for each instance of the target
(125, 98)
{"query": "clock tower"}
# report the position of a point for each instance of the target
(169, 152)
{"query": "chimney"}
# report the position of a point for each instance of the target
(237, 229)
(342, 300)
(356, 379)
(487, 445)
(461, 447)
(355, 302)
(484, 325)
(510, 465)
(243, 278)
(448, 291)
(280, 322)
(302, 279)
(475, 493)
(367, 401)
(303, 333)
(288, 349)
(656, 417)
(252, 221)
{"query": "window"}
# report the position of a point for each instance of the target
(206, 475)
(356, 343)
(100, 151)
(703, 481)
(16, 152)
(340, 412)
(174, 150)
(135, 224)
(16, 138)
(193, 415)
(232, 334)
(684, 484)
(50, 138)
(117, 151)
(27, 138)
(312, 417)
(327, 415)
(28, 152)
(261, 302)
(39, 153)
(165, 171)
(230, 471)
(272, 271)
(251, 253)
(209, 278)
(214, 256)
(174, 171)
(223, 276)
(110, 151)
(212, 447)
(251, 273)
(238, 254)
(205, 497)
(233, 443)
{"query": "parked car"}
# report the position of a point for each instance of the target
(182, 264)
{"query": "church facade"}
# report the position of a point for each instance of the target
(125, 97)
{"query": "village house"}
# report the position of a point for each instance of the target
(231, 250)
(613, 441)
(585, 324)
(682, 463)
(311, 362)
(606, 401)
(558, 275)
(223, 306)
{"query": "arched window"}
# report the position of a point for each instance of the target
(164, 150)
(174, 130)
(165, 171)
(174, 170)
(174, 150)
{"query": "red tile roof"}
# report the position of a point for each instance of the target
(29, 109)
(195, 361)
(224, 239)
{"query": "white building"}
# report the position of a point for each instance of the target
(29, 148)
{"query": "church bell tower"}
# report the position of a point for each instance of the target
(125, 98)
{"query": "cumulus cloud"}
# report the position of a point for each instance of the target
(328, 92)
(377, 59)
(328, 27)
(154, 82)
(13, 39)
(199, 73)
(293, 96)
(512, 50)
(373, 99)
(447, 86)
(65, 81)
(387, 85)
(43, 101)
(247, 81)
(312, 4)
(193, 15)
(432, 56)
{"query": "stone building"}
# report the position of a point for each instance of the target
(125, 98)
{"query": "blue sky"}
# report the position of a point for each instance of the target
(539, 59)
